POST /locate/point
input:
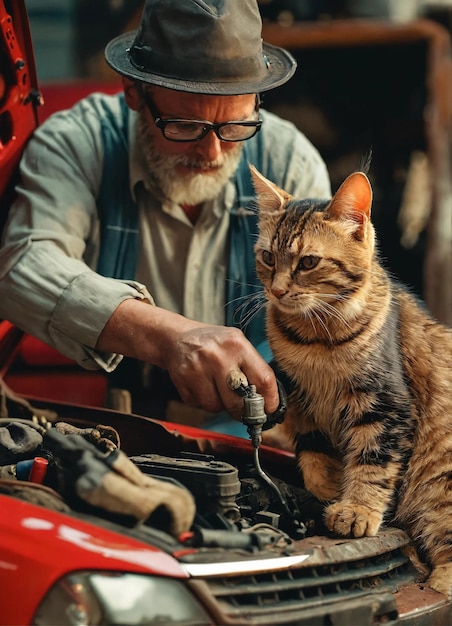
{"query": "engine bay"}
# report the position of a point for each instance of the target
(237, 503)
(257, 545)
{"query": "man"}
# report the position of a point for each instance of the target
(131, 234)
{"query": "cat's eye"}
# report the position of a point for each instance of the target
(268, 257)
(308, 262)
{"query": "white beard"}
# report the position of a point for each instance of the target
(192, 189)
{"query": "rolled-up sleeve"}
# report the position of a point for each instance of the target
(48, 283)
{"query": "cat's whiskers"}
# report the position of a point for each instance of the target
(333, 296)
(329, 314)
(319, 302)
(309, 316)
(246, 319)
(324, 325)
(324, 312)
(334, 313)
(248, 297)
(257, 287)
(249, 308)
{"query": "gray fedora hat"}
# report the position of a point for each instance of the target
(201, 46)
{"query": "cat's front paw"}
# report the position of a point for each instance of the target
(349, 519)
(441, 580)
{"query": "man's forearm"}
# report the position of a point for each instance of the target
(140, 330)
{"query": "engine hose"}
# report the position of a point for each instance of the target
(268, 480)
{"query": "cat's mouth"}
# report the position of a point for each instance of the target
(291, 304)
(302, 304)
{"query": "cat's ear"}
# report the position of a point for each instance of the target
(271, 197)
(352, 203)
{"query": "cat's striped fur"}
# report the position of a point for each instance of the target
(371, 410)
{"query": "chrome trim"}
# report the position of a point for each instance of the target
(204, 570)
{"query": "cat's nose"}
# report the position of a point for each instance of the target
(278, 292)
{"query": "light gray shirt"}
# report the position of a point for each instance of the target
(48, 283)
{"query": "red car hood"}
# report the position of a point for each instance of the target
(38, 546)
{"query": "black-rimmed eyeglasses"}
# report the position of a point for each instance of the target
(176, 129)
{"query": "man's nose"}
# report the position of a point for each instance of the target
(210, 147)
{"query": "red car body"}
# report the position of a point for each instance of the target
(40, 546)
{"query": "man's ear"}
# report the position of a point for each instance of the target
(133, 96)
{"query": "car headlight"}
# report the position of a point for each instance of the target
(107, 598)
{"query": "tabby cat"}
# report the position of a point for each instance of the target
(370, 414)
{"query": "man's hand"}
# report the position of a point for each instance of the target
(200, 361)
(197, 356)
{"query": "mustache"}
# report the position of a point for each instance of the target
(200, 164)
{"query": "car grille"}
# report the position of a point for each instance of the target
(297, 596)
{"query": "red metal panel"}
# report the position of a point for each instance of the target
(18, 89)
(38, 546)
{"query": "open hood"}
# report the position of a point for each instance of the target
(19, 94)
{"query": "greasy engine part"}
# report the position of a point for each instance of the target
(302, 517)
(214, 484)
(228, 502)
